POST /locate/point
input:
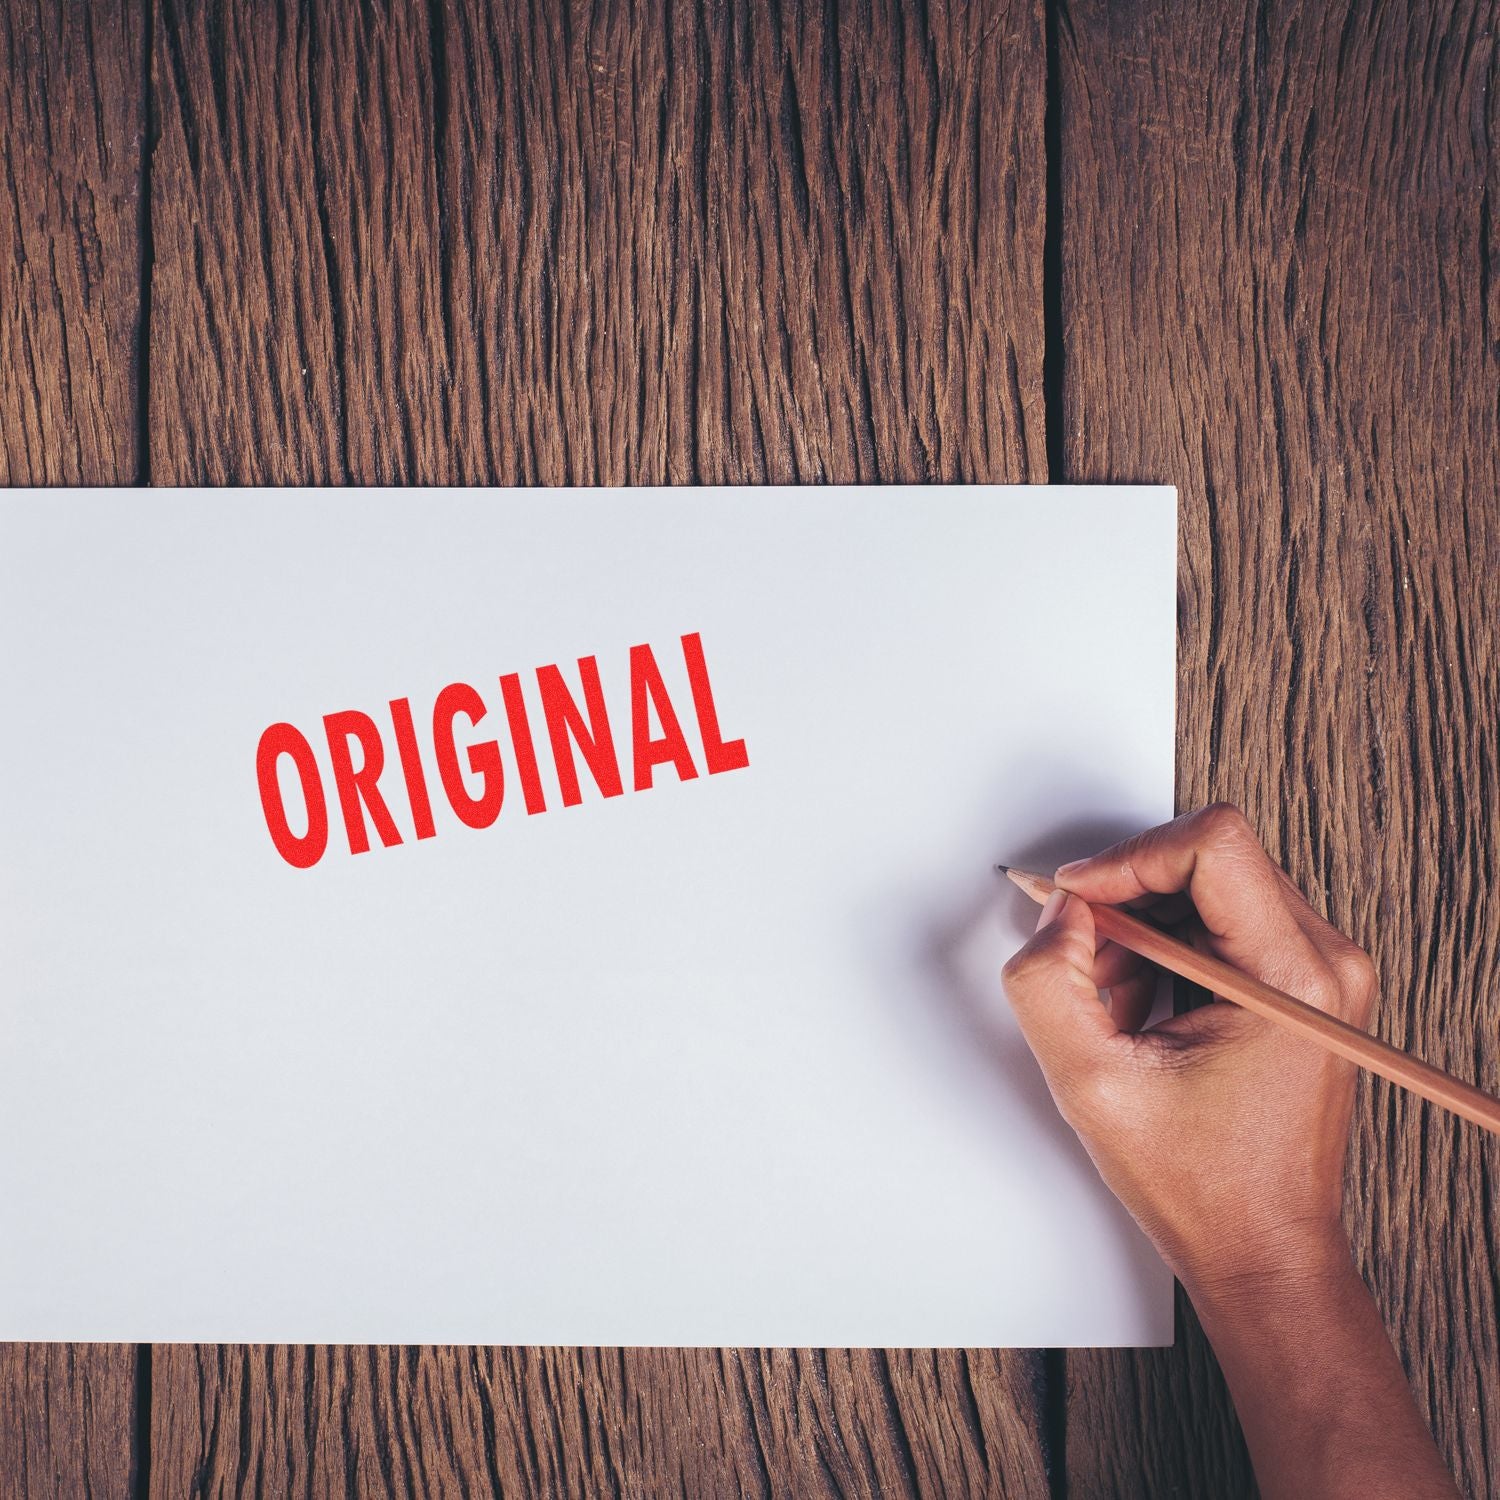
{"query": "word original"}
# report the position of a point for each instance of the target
(573, 731)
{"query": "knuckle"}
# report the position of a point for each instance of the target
(1128, 867)
(1356, 973)
(1039, 953)
(1023, 967)
(1321, 989)
(1226, 824)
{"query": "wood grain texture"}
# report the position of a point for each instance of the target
(71, 119)
(1280, 292)
(604, 244)
(68, 1421)
(547, 1422)
(71, 123)
(597, 245)
(421, 243)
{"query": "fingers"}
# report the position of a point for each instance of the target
(1244, 900)
(1051, 988)
(1212, 854)
(1166, 911)
(1131, 1000)
(1114, 964)
(1351, 965)
(1130, 981)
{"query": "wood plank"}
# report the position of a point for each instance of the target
(772, 250)
(436, 247)
(244, 344)
(69, 1422)
(1280, 293)
(546, 1422)
(600, 245)
(72, 116)
(72, 120)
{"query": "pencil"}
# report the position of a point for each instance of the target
(1339, 1037)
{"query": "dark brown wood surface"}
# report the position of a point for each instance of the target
(72, 115)
(1280, 292)
(1247, 249)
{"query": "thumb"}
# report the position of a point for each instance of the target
(1051, 988)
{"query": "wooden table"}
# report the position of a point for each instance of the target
(1253, 250)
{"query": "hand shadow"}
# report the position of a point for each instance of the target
(970, 996)
(964, 948)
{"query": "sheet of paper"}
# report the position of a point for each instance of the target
(708, 1049)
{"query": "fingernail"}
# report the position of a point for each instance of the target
(1071, 868)
(1051, 907)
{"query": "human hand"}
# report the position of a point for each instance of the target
(1221, 1133)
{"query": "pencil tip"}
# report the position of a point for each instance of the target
(1002, 869)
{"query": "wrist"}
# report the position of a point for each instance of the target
(1319, 1391)
(1298, 1263)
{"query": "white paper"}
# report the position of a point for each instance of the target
(722, 1062)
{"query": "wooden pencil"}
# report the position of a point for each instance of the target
(1306, 1020)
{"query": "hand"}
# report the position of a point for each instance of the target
(1224, 1135)
(1221, 1133)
